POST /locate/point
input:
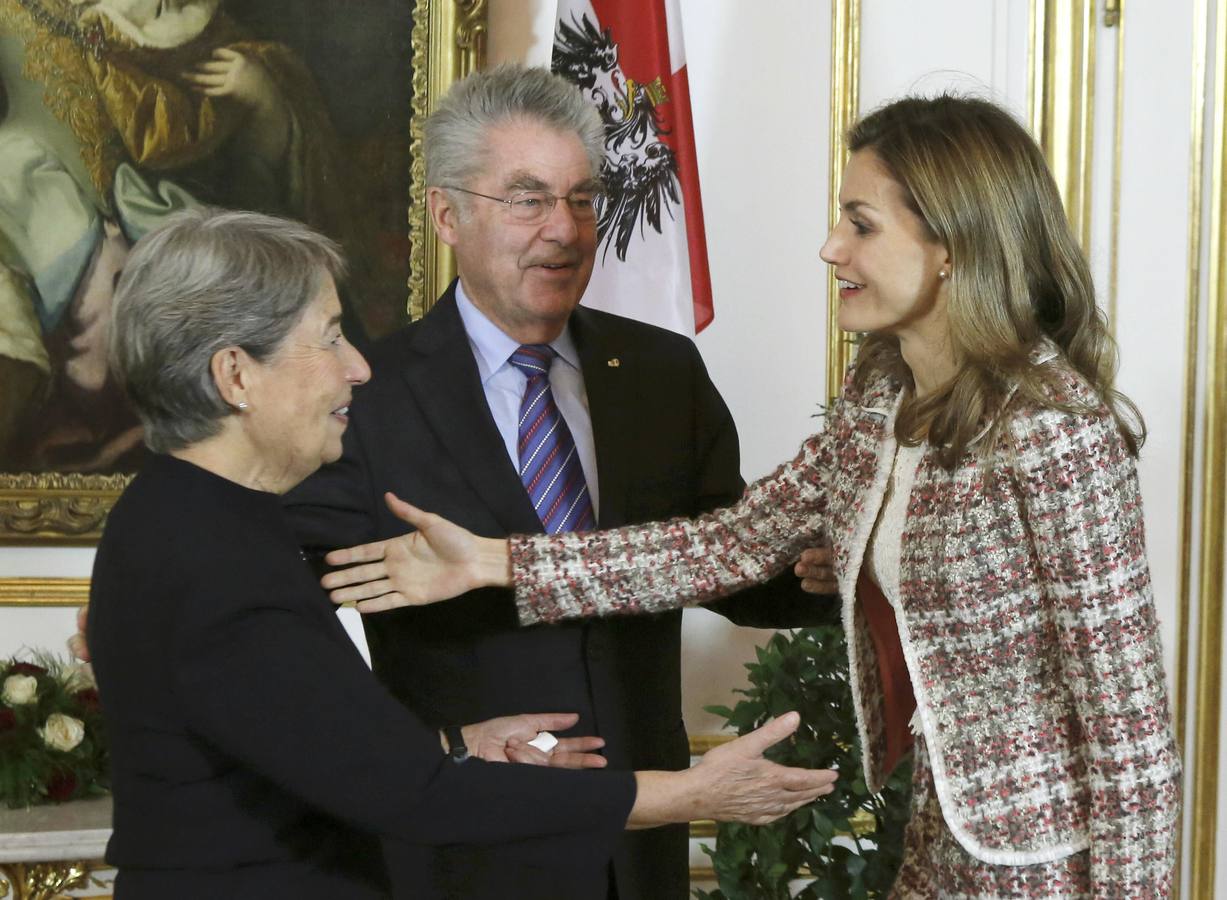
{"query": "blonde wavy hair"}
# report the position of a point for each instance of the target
(981, 186)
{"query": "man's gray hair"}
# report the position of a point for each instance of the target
(205, 280)
(455, 135)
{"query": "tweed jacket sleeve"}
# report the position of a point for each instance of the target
(665, 565)
(1082, 508)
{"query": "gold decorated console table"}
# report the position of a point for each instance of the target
(48, 850)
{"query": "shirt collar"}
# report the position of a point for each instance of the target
(492, 346)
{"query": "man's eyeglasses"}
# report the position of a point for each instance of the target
(534, 207)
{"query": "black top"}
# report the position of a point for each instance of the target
(251, 748)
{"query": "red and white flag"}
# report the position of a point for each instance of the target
(628, 58)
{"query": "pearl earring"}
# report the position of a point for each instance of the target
(943, 274)
(242, 405)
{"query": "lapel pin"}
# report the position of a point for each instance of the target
(613, 363)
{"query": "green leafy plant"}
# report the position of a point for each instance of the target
(846, 845)
(52, 746)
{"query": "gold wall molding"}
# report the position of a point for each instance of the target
(1114, 17)
(451, 38)
(44, 591)
(1188, 449)
(845, 107)
(1203, 804)
(1061, 99)
(701, 743)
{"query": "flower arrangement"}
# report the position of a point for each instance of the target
(52, 746)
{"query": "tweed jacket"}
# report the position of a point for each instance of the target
(1024, 607)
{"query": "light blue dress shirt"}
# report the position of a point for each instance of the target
(504, 385)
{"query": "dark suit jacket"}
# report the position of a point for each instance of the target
(253, 755)
(665, 446)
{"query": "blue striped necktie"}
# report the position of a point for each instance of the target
(549, 462)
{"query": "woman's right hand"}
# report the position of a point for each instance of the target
(437, 561)
(731, 783)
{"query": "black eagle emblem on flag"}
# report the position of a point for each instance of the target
(640, 170)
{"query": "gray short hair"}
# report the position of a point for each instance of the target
(454, 136)
(205, 280)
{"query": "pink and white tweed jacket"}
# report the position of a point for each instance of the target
(1024, 605)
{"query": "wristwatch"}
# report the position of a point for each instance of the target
(455, 743)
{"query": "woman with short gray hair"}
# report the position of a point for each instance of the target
(253, 753)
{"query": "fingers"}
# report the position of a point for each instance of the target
(211, 68)
(584, 744)
(354, 575)
(551, 721)
(820, 585)
(815, 568)
(817, 556)
(393, 600)
(356, 593)
(753, 744)
(82, 616)
(360, 554)
(562, 759)
(519, 752)
(815, 781)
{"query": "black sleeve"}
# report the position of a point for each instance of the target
(252, 673)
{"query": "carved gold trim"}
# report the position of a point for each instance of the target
(1210, 578)
(44, 591)
(1061, 99)
(451, 36)
(48, 881)
(56, 507)
(845, 106)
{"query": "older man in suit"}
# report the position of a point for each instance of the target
(510, 408)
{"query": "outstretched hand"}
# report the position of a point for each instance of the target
(437, 561)
(742, 786)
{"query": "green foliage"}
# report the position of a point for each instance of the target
(847, 844)
(33, 771)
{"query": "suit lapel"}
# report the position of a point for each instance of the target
(442, 376)
(610, 380)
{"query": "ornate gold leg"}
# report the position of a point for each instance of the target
(43, 881)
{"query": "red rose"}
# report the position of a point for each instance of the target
(88, 698)
(25, 668)
(8, 719)
(61, 786)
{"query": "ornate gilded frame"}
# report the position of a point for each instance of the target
(449, 40)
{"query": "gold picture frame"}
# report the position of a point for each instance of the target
(448, 41)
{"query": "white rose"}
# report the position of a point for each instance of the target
(20, 690)
(62, 732)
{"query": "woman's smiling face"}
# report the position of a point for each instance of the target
(886, 261)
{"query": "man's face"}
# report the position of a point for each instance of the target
(526, 278)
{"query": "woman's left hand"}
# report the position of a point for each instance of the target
(506, 738)
(437, 561)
